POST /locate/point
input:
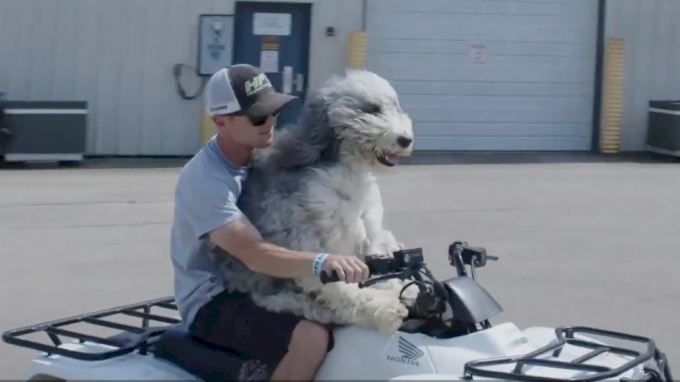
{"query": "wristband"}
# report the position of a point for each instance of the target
(318, 263)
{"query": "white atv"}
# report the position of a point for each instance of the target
(432, 344)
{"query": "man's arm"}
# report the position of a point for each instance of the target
(208, 201)
(209, 204)
(241, 239)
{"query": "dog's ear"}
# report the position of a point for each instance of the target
(315, 130)
(309, 141)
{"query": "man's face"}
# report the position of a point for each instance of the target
(242, 130)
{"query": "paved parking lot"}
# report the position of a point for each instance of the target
(580, 243)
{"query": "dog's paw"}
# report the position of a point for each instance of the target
(409, 296)
(410, 301)
(390, 316)
(389, 243)
(410, 291)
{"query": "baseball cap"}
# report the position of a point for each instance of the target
(243, 89)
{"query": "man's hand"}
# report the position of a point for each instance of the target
(350, 269)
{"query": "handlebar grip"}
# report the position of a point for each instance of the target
(325, 278)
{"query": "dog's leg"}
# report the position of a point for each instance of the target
(297, 304)
(408, 296)
(380, 240)
(367, 307)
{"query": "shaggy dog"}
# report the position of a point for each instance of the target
(313, 190)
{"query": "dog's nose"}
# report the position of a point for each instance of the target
(404, 141)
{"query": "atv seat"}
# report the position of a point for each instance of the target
(205, 360)
(125, 339)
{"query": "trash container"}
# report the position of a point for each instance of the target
(5, 134)
(663, 127)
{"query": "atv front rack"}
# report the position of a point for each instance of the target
(131, 339)
(565, 336)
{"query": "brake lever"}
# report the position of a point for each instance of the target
(399, 275)
(475, 262)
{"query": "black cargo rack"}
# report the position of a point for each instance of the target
(132, 337)
(565, 335)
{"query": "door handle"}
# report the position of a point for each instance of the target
(287, 80)
(299, 82)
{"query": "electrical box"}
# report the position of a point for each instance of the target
(215, 43)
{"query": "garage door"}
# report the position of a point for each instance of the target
(489, 74)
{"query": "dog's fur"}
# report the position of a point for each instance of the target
(314, 190)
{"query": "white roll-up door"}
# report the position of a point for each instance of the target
(489, 74)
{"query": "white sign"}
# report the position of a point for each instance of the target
(478, 53)
(269, 61)
(272, 24)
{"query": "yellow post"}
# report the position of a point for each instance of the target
(207, 130)
(612, 105)
(356, 49)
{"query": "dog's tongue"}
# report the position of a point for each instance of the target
(393, 158)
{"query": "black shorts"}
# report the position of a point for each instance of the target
(232, 320)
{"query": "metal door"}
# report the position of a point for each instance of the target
(275, 37)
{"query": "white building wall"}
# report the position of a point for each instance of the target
(76, 50)
(651, 33)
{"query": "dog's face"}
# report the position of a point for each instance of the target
(368, 122)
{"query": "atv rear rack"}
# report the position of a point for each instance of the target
(565, 335)
(132, 338)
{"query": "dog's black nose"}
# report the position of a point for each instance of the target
(404, 141)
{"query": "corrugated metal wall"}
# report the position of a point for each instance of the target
(651, 33)
(118, 56)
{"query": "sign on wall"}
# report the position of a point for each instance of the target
(215, 43)
(478, 53)
(273, 24)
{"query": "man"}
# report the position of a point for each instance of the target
(243, 106)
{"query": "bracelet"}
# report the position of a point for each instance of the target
(318, 263)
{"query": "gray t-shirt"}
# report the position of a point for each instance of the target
(205, 198)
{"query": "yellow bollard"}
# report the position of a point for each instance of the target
(207, 130)
(612, 103)
(356, 49)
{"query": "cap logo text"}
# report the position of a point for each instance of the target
(257, 83)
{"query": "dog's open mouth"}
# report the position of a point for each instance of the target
(388, 160)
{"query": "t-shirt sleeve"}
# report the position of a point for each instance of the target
(207, 202)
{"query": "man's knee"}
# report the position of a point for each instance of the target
(312, 339)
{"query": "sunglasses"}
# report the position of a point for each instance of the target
(261, 121)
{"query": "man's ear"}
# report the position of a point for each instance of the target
(221, 120)
(216, 119)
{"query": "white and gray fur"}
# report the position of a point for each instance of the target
(314, 190)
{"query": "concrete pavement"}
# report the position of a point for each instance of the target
(579, 243)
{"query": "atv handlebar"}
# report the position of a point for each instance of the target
(460, 254)
(407, 262)
(385, 265)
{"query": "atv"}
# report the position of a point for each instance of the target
(447, 336)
